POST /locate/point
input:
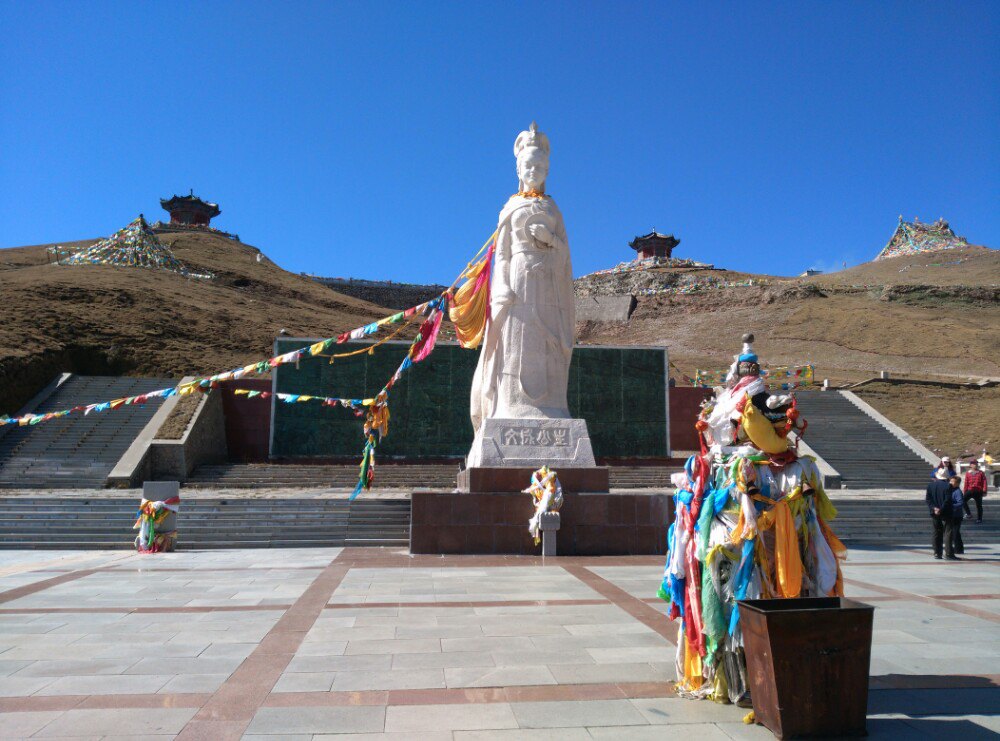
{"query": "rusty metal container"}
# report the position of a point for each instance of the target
(807, 664)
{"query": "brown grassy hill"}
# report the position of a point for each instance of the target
(934, 314)
(102, 319)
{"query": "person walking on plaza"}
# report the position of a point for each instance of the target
(975, 489)
(957, 503)
(939, 506)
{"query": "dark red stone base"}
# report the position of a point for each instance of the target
(497, 523)
(492, 480)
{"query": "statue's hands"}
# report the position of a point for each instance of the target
(542, 233)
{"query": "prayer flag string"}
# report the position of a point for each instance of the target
(469, 303)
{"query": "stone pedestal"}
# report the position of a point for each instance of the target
(496, 479)
(497, 523)
(532, 443)
(507, 451)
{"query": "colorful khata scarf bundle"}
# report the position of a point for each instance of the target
(751, 522)
(151, 516)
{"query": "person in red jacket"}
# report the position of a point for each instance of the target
(975, 489)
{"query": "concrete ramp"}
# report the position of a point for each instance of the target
(76, 451)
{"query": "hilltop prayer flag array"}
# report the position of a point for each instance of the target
(135, 246)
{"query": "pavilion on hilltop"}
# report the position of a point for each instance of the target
(190, 210)
(914, 236)
(654, 244)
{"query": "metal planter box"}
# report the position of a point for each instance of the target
(807, 664)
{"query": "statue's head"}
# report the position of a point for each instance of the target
(532, 151)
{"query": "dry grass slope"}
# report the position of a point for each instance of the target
(102, 319)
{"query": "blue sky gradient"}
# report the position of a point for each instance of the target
(374, 139)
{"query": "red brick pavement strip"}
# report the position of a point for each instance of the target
(27, 589)
(473, 695)
(945, 603)
(637, 608)
(456, 696)
(229, 711)
(483, 603)
(139, 610)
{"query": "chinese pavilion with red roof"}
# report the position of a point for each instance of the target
(654, 244)
(190, 210)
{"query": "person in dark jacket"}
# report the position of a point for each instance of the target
(939, 506)
(957, 513)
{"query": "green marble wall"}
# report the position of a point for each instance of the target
(619, 391)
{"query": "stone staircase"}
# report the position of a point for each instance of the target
(77, 451)
(865, 454)
(894, 521)
(387, 476)
(106, 522)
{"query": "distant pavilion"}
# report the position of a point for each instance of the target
(654, 244)
(190, 210)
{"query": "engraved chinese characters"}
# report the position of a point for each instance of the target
(543, 437)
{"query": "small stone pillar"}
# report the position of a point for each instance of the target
(884, 375)
(549, 523)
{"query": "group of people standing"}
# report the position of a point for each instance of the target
(948, 504)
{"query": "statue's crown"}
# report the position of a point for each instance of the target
(531, 138)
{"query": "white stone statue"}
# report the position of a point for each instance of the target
(523, 367)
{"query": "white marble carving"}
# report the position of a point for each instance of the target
(523, 366)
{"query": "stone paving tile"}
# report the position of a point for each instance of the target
(105, 685)
(321, 648)
(305, 682)
(574, 714)
(396, 679)
(74, 667)
(337, 663)
(528, 657)
(9, 667)
(505, 676)
(620, 655)
(97, 723)
(700, 731)
(417, 718)
(23, 686)
(403, 646)
(22, 725)
(269, 721)
(529, 734)
(193, 683)
(602, 673)
(446, 660)
(197, 665)
(671, 710)
(422, 736)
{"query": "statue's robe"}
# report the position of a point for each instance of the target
(523, 368)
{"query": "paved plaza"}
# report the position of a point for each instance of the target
(366, 643)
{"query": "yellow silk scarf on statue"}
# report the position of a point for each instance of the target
(761, 432)
(788, 562)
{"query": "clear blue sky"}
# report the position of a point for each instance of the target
(374, 139)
